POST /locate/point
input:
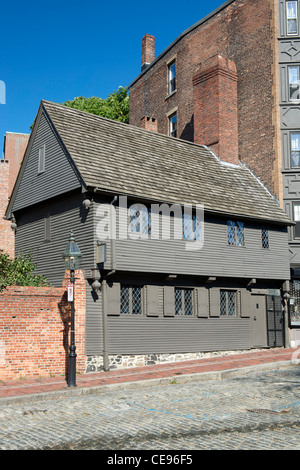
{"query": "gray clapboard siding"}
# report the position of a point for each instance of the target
(66, 214)
(180, 335)
(216, 258)
(58, 177)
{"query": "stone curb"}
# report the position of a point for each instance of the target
(172, 379)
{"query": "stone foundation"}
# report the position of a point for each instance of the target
(95, 363)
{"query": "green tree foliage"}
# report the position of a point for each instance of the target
(19, 271)
(115, 106)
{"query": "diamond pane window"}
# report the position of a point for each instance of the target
(188, 302)
(187, 223)
(131, 300)
(183, 301)
(265, 238)
(235, 233)
(222, 302)
(228, 303)
(178, 302)
(231, 232)
(191, 227)
(125, 299)
(139, 219)
(240, 234)
(197, 227)
(231, 303)
(136, 300)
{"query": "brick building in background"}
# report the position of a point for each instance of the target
(231, 82)
(13, 152)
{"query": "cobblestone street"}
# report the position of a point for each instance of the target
(255, 411)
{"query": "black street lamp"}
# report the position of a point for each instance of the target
(72, 257)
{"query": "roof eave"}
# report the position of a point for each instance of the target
(112, 193)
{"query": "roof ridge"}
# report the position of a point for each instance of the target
(131, 126)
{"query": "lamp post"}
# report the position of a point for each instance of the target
(72, 257)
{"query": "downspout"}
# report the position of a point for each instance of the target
(104, 324)
(104, 293)
(112, 234)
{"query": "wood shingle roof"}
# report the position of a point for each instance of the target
(123, 159)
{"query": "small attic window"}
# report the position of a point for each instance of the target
(42, 152)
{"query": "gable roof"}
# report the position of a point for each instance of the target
(118, 158)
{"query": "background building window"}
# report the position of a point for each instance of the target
(131, 300)
(228, 303)
(294, 82)
(292, 17)
(183, 301)
(296, 207)
(295, 149)
(171, 77)
(173, 125)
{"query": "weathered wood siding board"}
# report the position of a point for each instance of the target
(94, 323)
(58, 177)
(178, 335)
(66, 214)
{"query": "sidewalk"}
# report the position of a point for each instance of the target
(201, 369)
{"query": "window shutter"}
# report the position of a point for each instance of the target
(113, 299)
(152, 301)
(202, 302)
(47, 227)
(41, 166)
(245, 303)
(214, 302)
(169, 301)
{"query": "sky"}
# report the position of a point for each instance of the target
(62, 49)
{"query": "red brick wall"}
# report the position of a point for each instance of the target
(245, 32)
(35, 330)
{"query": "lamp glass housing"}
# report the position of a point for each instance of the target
(72, 254)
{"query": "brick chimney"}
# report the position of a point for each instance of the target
(215, 107)
(148, 50)
(149, 123)
(14, 149)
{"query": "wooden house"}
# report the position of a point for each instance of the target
(213, 280)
